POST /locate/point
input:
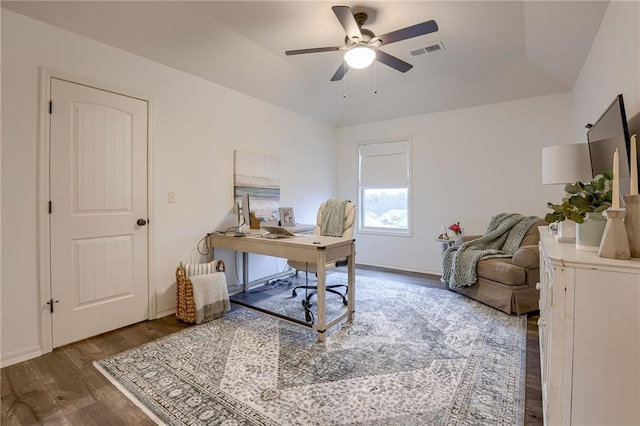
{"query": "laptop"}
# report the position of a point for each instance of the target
(277, 232)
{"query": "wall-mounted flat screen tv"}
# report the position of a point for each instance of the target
(609, 133)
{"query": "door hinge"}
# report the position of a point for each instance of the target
(50, 207)
(50, 303)
(50, 107)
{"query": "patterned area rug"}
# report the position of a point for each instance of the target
(413, 356)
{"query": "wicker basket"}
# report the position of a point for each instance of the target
(186, 308)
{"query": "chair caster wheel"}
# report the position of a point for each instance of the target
(308, 316)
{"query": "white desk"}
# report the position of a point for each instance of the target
(298, 228)
(307, 248)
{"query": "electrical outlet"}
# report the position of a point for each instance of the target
(172, 197)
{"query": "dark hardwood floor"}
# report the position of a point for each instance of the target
(63, 387)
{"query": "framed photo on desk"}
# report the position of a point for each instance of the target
(286, 216)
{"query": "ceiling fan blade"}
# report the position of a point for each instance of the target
(340, 72)
(392, 61)
(348, 22)
(312, 50)
(409, 32)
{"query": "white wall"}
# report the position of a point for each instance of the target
(0, 180)
(198, 125)
(468, 165)
(612, 67)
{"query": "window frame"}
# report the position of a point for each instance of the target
(375, 230)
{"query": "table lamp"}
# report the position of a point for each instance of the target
(568, 163)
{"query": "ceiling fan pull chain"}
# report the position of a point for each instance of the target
(344, 81)
(375, 78)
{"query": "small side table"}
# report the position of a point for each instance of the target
(445, 244)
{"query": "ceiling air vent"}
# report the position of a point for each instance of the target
(428, 49)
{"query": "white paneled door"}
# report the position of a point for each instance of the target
(98, 220)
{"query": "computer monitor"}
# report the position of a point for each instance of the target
(609, 133)
(246, 209)
(239, 220)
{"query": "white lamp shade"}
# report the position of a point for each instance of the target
(568, 163)
(359, 57)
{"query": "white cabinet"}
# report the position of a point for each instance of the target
(589, 331)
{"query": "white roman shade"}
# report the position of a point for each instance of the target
(384, 164)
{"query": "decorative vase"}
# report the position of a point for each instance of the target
(589, 233)
(566, 231)
(453, 235)
(632, 223)
(615, 244)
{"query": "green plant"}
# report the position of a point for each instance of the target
(582, 198)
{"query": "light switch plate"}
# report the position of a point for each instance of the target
(172, 197)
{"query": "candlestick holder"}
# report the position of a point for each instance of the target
(615, 244)
(632, 223)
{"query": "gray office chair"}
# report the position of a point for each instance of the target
(326, 225)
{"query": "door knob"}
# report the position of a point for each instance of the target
(141, 222)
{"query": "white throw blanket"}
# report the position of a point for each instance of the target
(210, 296)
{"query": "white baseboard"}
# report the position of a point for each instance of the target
(35, 351)
(165, 313)
(20, 356)
(395, 268)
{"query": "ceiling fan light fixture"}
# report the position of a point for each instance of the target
(359, 57)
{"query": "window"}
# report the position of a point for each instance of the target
(384, 188)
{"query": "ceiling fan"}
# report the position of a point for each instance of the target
(361, 45)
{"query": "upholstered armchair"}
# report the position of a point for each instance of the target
(508, 283)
